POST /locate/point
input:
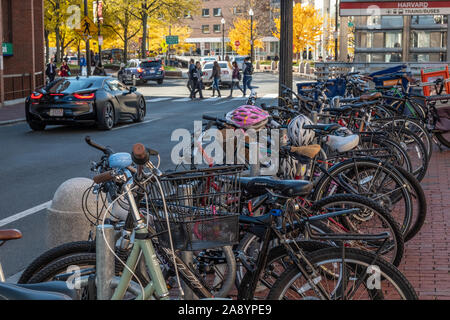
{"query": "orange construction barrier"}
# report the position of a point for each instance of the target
(430, 75)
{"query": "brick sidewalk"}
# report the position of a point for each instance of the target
(13, 113)
(426, 262)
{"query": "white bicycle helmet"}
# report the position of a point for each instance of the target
(299, 136)
(288, 168)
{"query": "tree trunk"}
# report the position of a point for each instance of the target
(47, 47)
(125, 44)
(144, 36)
(58, 45)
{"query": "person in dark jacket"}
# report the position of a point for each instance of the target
(190, 83)
(235, 79)
(99, 70)
(216, 78)
(197, 80)
(50, 72)
(248, 74)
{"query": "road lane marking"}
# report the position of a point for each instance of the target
(182, 100)
(158, 99)
(25, 213)
(211, 99)
(271, 96)
(134, 124)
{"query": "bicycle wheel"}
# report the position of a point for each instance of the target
(443, 137)
(360, 275)
(371, 219)
(374, 179)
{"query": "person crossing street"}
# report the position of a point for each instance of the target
(248, 74)
(235, 79)
(216, 79)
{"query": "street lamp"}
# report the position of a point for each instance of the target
(223, 38)
(251, 13)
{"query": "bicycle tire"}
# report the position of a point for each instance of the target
(364, 258)
(419, 221)
(360, 164)
(387, 220)
(442, 139)
(54, 254)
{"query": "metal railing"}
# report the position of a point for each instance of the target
(329, 70)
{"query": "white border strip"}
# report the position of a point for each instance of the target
(25, 213)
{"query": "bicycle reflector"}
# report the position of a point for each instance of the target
(84, 96)
(36, 96)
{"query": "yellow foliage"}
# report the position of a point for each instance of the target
(241, 32)
(307, 27)
(159, 30)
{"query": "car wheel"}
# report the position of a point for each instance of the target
(160, 81)
(141, 110)
(36, 126)
(106, 117)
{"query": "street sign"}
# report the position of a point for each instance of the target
(100, 40)
(172, 40)
(393, 8)
(237, 43)
(88, 29)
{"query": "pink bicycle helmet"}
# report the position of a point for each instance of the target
(248, 117)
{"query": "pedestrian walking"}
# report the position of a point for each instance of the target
(51, 70)
(198, 83)
(190, 83)
(235, 78)
(248, 74)
(64, 71)
(83, 66)
(216, 79)
(99, 70)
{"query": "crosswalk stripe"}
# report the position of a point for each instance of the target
(158, 99)
(182, 100)
(211, 99)
(271, 96)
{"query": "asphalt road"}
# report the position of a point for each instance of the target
(34, 164)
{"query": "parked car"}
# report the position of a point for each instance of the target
(204, 60)
(142, 71)
(226, 73)
(239, 60)
(72, 60)
(75, 100)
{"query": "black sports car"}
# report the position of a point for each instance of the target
(101, 100)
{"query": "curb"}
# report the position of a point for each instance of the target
(6, 122)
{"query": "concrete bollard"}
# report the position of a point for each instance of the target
(273, 66)
(308, 68)
(66, 221)
(302, 67)
(258, 65)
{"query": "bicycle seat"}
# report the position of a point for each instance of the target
(307, 151)
(342, 144)
(10, 234)
(10, 291)
(287, 188)
(322, 126)
(371, 97)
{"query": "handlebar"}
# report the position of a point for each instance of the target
(105, 150)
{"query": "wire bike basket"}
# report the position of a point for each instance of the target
(202, 206)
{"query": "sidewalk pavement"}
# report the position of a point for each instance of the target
(12, 113)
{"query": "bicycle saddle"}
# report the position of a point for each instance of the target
(56, 290)
(287, 188)
(322, 126)
(10, 234)
(342, 144)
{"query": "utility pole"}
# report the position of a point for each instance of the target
(336, 32)
(88, 49)
(99, 16)
(251, 13)
(223, 39)
(286, 46)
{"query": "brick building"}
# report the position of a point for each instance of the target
(207, 28)
(22, 62)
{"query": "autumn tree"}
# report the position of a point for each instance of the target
(160, 30)
(307, 27)
(241, 31)
(167, 11)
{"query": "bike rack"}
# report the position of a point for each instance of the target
(105, 267)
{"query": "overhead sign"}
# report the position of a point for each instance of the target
(393, 8)
(172, 40)
(88, 29)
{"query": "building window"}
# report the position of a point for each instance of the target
(428, 39)
(187, 15)
(7, 20)
(217, 28)
(205, 28)
(237, 11)
(428, 20)
(393, 40)
(205, 13)
(217, 12)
